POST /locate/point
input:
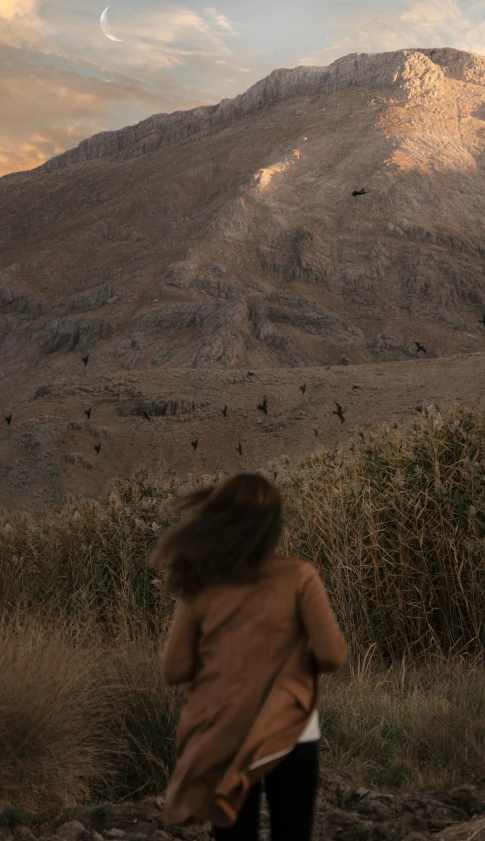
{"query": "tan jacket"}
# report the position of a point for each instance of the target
(251, 653)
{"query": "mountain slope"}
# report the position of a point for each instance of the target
(228, 236)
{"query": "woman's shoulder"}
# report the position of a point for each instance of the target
(298, 564)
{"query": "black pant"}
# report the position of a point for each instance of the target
(290, 792)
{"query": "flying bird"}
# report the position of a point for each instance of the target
(303, 388)
(339, 412)
(224, 411)
(86, 359)
(482, 321)
(419, 347)
(87, 412)
(9, 419)
(239, 449)
(263, 407)
(194, 444)
(97, 447)
(147, 417)
(359, 192)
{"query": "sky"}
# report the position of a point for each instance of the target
(62, 79)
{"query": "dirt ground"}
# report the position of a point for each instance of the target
(344, 812)
(48, 449)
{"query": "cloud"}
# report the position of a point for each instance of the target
(402, 24)
(220, 20)
(51, 109)
(20, 24)
(156, 39)
(17, 8)
(62, 80)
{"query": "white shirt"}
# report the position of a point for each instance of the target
(311, 733)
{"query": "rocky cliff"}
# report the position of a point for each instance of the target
(411, 73)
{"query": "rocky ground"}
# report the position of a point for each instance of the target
(344, 813)
(48, 449)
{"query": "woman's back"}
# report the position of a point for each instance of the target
(231, 642)
(248, 629)
(250, 650)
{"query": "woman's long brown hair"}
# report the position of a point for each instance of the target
(237, 527)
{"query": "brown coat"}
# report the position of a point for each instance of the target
(252, 653)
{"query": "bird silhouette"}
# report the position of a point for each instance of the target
(97, 447)
(147, 417)
(339, 412)
(419, 347)
(86, 359)
(303, 388)
(239, 449)
(359, 192)
(224, 411)
(87, 412)
(9, 419)
(194, 444)
(355, 387)
(263, 407)
(482, 321)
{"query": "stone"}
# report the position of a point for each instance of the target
(24, 833)
(73, 831)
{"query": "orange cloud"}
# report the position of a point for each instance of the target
(53, 76)
(10, 9)
(51, 110)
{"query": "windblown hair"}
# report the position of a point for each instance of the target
(236, 528)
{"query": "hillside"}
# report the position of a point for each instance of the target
(227, 237)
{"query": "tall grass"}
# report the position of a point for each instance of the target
(396, 523)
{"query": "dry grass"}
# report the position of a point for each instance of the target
(414, 726)
(52, 718)
(397, 524)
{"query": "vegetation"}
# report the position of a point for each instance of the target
(396, 523)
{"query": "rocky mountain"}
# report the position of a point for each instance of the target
(227, 237)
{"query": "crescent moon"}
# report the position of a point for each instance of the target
(104, 26)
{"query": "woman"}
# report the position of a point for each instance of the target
(251, 632)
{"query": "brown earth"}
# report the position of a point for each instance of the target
(345, 812)
(49, 446)
(183, 251)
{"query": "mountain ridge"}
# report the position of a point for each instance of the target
(380, 70)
